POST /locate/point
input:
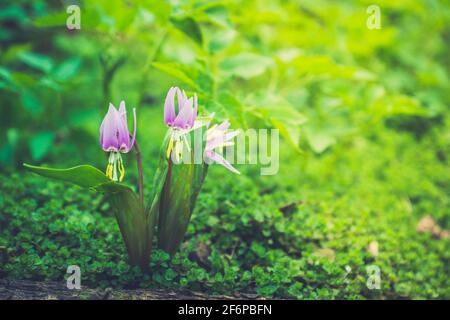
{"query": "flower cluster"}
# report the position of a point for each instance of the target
(184, 121)
(168, 211)
(180, 115)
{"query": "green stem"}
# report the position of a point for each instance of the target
(150, 59)
(140, 174)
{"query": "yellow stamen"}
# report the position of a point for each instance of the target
(121, 170)
(170, 147)
(109, 170)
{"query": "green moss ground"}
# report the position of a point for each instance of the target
(364, 189)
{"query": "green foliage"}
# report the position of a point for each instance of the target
(182, 185)
(125, 203)
(85, 176)
(367, 108)
(266, 236)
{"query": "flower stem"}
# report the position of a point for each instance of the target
(140, 173)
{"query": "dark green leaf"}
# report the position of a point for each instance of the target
(85, 176)
(245, 65)
(175, 71)
(37, 61)
(67, 69)
(190, 27)
(30, 102)
(41, 144)
(177, 201)
(132, 223)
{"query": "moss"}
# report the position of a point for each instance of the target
(240, 240)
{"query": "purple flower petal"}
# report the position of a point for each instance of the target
(186, 113)
(181, 97)
(211, 144)
(219, 159)
(224, 125)
(184, 116)
(122, 129)
(169, 107)
(194, 113)
(108, 130)
(114, 135)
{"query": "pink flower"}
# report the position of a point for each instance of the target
(218, 136)
(115, 138)
(114, 135)
(187, 109)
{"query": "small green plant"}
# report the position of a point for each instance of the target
(177, 181)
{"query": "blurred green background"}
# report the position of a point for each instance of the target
(364, 159)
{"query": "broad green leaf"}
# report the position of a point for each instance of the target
(176, 72)
(290, 133)
(30, 102)
(283, 117)
(221, 39)
(181, 188)
(124, 202)
(13, 12)
(160, 175)
(22, 79)
(320, 141)
(67, 69)
(7, 149)
(41, 144)
(245, 65)
(152, 208)
(85, 176)
(5, 74)
(389, 105)
(218, 15)
(232, 108)
(52, 20)
(133, 226)
(37, 61)
(4, 85)
(190, 27)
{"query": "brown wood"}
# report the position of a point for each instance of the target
(30, 290)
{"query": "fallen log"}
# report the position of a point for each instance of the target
(11, 289)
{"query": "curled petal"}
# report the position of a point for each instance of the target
(123, 111)
(220, 140)
(114, 134)
(122, 129)
(123, 133)
(194, 113)
(219, 159)
(184, 116)
(181, 99)
(224, 125)
(108, 130)
(133, 138)
(169, 106)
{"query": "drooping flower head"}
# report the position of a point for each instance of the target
(217, 137)
(187, 109)
(115, 138)
(182, 120)
(114, 134)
